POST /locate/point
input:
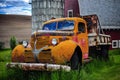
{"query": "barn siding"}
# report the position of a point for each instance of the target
(43, 10)
(71, 4)
(115, 35)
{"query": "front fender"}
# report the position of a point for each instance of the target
(63, 52)
(18, 54)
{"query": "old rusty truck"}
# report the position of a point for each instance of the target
(62, 44)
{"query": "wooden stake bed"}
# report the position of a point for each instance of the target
(38, 67)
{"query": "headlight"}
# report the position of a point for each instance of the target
(24, 43)
(54, 41)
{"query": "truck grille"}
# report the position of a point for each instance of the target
(41, 42)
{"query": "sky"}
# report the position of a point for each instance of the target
(17, 7)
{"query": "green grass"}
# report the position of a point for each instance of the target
(95, 70)
(114, 52)
(99, 70)
(4, 58)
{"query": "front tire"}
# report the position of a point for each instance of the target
(76, 59)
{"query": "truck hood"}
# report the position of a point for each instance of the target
(52, 33)
(44, 37)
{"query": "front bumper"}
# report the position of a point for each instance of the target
(38, 66)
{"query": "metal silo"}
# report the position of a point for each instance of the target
(108, 11)
(43, 10)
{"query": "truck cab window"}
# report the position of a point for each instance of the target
(81, 27)
(50, 26)
(65, 25)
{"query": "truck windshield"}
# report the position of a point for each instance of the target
(60, 25)
(66, 25)
(50, 26)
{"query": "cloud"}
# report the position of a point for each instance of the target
(26, 1)
(15, 7)
(2, 5)
(17, 11)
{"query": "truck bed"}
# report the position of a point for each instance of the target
(95, 33)
(98, 39)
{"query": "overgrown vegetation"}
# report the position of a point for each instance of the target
(13, 42)
(95, 70)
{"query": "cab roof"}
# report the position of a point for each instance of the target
(66, 18)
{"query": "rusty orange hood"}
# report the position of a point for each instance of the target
(44, 37)
(52, 33)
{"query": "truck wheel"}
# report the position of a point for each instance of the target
(76, 59)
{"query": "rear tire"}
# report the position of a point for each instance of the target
(104, 52)
(99, 52)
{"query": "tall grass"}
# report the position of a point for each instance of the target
(95, 70)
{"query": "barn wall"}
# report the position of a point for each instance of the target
(115, 37)
(71, 5)
(43, 10)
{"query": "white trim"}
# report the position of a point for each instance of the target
(68, 15)
(110, 27)
(119, 43)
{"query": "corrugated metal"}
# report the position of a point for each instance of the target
(108, 11)
(43, 10)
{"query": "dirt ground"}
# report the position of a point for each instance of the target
(15, 25)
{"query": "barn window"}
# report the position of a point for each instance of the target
(114, 43)
(70, 13)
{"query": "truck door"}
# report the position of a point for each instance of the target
(83, 38)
